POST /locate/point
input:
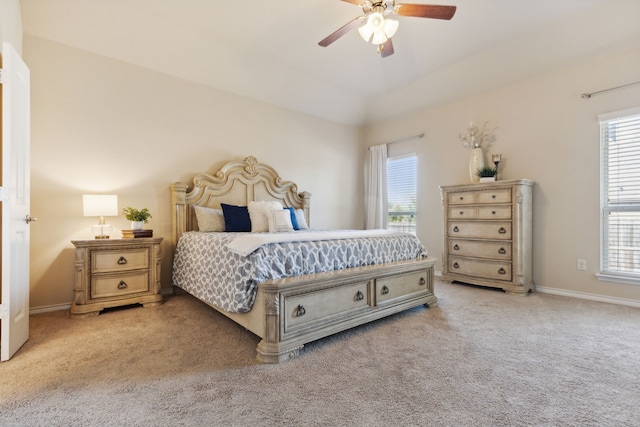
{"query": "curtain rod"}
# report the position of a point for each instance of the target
(589, 95)
(406, 139)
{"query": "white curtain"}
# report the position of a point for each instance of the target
(376, 188)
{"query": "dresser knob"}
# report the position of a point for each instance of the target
(456, 229)
(493, 196)
(122, 261)
(456, 265)
(456, 247)
(384, 290)
(359, 296)
(122, 285)
(502, 271)
(300, 311)
(422, 281)
(502, 230)
(502, 251)
(461, 198)
(493, 212)
(461, 213)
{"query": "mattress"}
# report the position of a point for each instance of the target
(206, 267)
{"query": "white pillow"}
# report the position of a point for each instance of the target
(258, 214)
(302, 221)
(279, 221)
(209, 219)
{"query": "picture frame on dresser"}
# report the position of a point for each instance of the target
(488, 235)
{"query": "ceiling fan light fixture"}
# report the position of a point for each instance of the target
(365, 32)
(390, 27)
(379, 38)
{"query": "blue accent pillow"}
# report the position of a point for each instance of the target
(294, 219)
(236, 218)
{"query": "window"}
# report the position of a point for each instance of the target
(401, 189)
(620, 196)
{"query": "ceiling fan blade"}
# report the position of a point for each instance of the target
(386, 49)
(340, 32)
(426, 11)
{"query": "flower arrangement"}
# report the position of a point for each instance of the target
(475, 136)
(132, 214)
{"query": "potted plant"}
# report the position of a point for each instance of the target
(136, 216)
(487, 173)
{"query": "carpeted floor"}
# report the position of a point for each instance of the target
(482, 358)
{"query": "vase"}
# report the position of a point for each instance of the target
(136, 225)
(475, 162)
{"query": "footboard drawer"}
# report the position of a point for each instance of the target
(325, 305)
(393, 289)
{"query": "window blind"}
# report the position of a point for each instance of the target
(401, 193)
(620, 194)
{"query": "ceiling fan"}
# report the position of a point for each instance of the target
(374, 25)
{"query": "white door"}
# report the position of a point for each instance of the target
(15, 199)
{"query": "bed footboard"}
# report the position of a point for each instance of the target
(302, 309)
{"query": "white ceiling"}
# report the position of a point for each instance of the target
(267, 49)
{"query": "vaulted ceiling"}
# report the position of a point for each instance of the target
(268, 49)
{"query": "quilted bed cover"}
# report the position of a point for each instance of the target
(205, 267)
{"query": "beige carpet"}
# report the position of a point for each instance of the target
(482, 358)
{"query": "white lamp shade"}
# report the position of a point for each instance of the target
(379, 28)
(390, 27)
(100, 204)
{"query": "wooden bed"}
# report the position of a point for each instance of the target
(287, 313)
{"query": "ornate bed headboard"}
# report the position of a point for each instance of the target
(236, 183)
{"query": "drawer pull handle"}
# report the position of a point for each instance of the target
(122, 285)
(493, 212)
(461, 198)
(502, 230)
(300, 311)
(456, 247)
(502, 251)
(384, 290)
(461, 212)
(456, 229)
(422, 281)
(502, 271)
(493, 196)
(359, 296)
(456, 265)
(122, 261)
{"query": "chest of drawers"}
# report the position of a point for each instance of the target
(488, 235)
(116, 272)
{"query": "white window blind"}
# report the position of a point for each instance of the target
(620, 194)
(401, 191)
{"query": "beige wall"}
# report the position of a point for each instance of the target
(547, 133)
(100, 125)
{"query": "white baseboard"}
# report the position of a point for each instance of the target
(48, 308)
(587, 296)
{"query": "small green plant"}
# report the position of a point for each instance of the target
(487, 172)
(133, 214)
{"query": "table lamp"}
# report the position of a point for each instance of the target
(100, 205)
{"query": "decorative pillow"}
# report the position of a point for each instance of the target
(236, 218)
(294, 220)
(209, 219)
(279, 221)
(258, 213)
(302, 221)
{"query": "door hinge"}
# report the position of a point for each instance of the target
(4, 194)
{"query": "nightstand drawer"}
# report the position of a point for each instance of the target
(121, 285)
(119, 260)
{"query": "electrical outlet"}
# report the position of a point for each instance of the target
(582, 264)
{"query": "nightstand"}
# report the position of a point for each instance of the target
(116, 272)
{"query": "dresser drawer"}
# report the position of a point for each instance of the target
(494, 212)
(404, 286)
(481, 230)
(502, 195)
(328, 304)
(496, 270)
(463, 212)
(120, 285)
(119, 260)
(480, 249)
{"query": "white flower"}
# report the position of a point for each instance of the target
(475, 137)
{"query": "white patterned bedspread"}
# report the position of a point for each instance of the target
(205, 267)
